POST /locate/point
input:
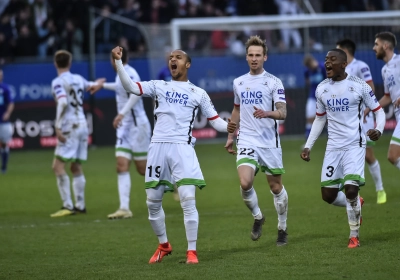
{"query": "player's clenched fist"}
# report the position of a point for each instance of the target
(231, 126)
(373, 134)
(305, 154)
(117, 53)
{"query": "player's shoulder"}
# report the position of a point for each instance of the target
(356, 80)
(56, 81)
(271, 77)
(239, 80)
(195, 89)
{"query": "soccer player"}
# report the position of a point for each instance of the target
(133, 136)
(172, 158)
(6, 108)
(313, 75)
(385, 42)
(259, 102)
(341, 99)
(360, 69)
(72, 133)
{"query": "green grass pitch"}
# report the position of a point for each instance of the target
(35, 246)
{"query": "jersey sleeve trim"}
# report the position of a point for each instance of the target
(213, 118)
(377, 108)
(388, 94)
(140, 88)
(236, 105)
(62, 95)
(320, 115)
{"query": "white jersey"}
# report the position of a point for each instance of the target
(343, 102)
(391, 78)
(137, 115)
(262, 91)
(359, 69)
(176, 107)
(72, 87)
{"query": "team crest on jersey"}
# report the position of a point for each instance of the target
(241, 83)
(326, 90)
(351, 89)
(333, 95)
(281, 91)
(265, 83)
(193, 90)
(248, 89)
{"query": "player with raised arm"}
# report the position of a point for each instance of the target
(313, 75)
(6, 130)
(341, 99)
(172, 158)
(259, 102)
(385, 42)
(72, 133)
(133, 136)
(360, 69)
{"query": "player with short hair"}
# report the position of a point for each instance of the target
(341, 99)
(360, 69)
(133, 136)
(385, 42)
(314, 74)
(6, 130)
(172, 158)
(259, 103)
(72, 133)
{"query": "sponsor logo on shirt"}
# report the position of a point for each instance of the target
(251, 97)
(366, 76)
(364, 69)
(371, 93)
(56, 87)
(176, 98)
(337, 104)
(281, 91)
(390, 82)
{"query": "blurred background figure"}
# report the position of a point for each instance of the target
(6, 108)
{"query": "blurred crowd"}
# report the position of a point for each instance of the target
(37, 28)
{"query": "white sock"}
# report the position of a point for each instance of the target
(340, 200)
(157, 219)
(281, 206)
(124, 189)
(397, 164)
(375, 170)
(64, 188)
(187, 196)
(251, 201)
(354, 213)
(78, 185)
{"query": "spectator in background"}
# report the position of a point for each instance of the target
(53, 41)
(39, 8)
(289, 7)
(72, 39)
(26, 43)
(107, 31)
(5, 49)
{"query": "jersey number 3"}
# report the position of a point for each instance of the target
(77, 98)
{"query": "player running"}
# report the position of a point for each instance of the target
(72, 133)
(341, 99)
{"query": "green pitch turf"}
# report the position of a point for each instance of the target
(35, 246)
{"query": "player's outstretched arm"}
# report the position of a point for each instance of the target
(385, 101)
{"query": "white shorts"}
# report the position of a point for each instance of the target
(170, 163)
(6, 131)
(395, 140)
(341, 167)
(75, 149)
(268, 159)
(133, 141)
(370, 124)
(311, 106)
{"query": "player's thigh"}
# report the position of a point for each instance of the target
(369, 124)
(247, 155)
(67, 151)
(270, 160)
(353, 162)
(331, 172)
(82, 150)
(5, 132)
(157, 167)
(185, 167)
(311, 108)
(123, 145)
(395, 140)
(140, 140)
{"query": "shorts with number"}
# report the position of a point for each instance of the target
(75, 148)
(133, 141)
(370, 124)
(269, 160)
(340, 166)
(396, 133)
(172, 163)
(311, 108)
(6, 131)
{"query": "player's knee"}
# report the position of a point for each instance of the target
(154, 206)
(188, 205)
(141, 170)
(275, 187)
(246, 184)
(76, 168)
(122, 165)
(329, 197)
(392, 159)
(351, 191)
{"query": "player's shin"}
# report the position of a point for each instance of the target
(251, 201)
(157, 218)
(78, 185)
(124, 189)
(397, 163)
(375, 171)
(281, 206)
(340, 200)
(63, 184)
(353, 207)
(190, 214)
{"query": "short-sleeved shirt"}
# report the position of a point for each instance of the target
(315, 76)
(262, 91)
(137, 114)
(344, 102)
(391, 78)
(359, 69)
(176, 107)
(5, 100)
